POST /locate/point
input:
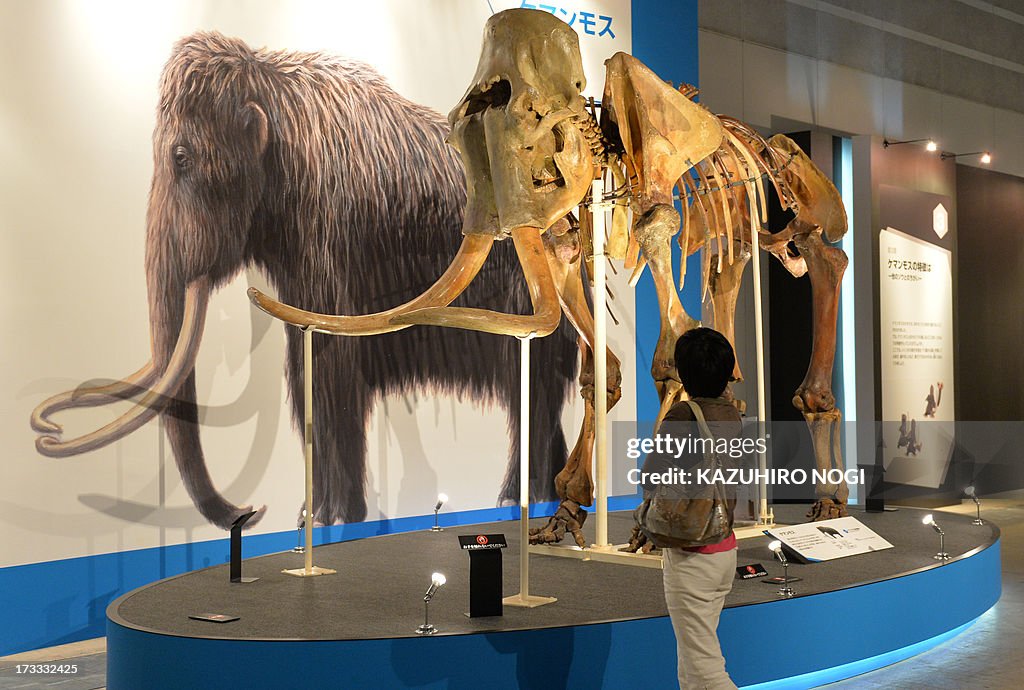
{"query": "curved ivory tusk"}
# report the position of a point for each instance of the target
(90, 396)
(451, 284)
(546, 310)
(178, 368)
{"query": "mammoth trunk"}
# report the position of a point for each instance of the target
(177, 314)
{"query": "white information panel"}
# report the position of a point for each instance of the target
(829, 539)
(916, 309)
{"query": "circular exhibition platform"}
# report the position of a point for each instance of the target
(608, 629)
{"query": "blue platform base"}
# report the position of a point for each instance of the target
(794, 643)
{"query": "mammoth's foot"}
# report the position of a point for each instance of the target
(569, 516)
(638, 542)
(826, 509)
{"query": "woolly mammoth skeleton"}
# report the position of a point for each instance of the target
(531, 150)
(260, 160)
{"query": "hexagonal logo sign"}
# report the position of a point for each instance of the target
(940, 221)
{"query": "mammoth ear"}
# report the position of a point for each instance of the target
(255, 123)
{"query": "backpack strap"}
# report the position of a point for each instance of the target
(698, 414)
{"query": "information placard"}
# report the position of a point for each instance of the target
(917, 346)
(827, 540)
(482, 542)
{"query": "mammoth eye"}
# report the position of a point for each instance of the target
(181, 157)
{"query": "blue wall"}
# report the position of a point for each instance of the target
(664, 39)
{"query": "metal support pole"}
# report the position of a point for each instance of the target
(600, 366)
(307, 399)
(765, 517)
(524, 468)
(307, 393)
(524, 599)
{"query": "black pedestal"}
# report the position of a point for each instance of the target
(484, 573)
(485, 593)
(236, 550)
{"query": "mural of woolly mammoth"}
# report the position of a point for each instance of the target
(312, 170)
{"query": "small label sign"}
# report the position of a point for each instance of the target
(482, 541)
(749, 572)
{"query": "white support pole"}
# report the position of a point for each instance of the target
(600, 366)
(307, 394)
(765, 517)
(524, 467)
(307, 399)
(523, 599)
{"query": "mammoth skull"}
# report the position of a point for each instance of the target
(527, 162)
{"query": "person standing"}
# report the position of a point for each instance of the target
(697, 579)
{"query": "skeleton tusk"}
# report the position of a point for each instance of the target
(90, 396)
(178, 368)
(454, 281)
(547, 313)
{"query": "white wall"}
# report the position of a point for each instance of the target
(79, 93)
(768, 87)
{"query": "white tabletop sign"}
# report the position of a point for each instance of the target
(829, 539)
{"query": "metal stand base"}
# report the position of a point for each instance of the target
(786, 592)
(244, 580)
(606, 554)
(311, 572)
(426, 629)
(530, 601)
(435, 528)
(752, 530)
(942, 556)
(977, 521)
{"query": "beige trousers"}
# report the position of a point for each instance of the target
(695, 589)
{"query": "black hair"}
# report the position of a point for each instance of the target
(705, 362)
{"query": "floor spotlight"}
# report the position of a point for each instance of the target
(441, 500)
(972, 494)
(299, 548)
(931, 146)
(437, 580)
(784, 589)
(941, 555)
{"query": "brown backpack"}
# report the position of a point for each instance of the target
(690, 515)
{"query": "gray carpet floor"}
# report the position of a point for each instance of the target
(377, 592)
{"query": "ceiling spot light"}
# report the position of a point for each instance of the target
(929, 143)
(986, 157)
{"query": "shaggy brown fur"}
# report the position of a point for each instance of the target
(344, 193)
